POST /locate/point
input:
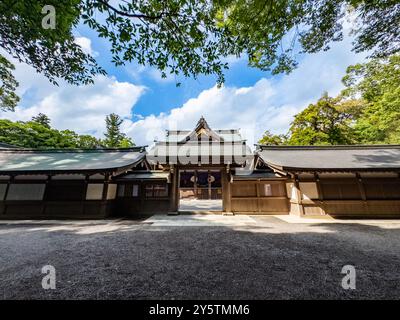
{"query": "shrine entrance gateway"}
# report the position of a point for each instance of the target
(200, 190)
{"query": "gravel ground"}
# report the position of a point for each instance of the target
(199, 257)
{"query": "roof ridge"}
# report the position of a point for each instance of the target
(217, 130)
(330, 147)
(200, 142)
(70, 150)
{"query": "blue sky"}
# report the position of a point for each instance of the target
(251, 100)
(162, 94)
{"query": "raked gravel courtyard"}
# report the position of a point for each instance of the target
(200, 257)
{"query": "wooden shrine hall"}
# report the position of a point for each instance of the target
(202, 164)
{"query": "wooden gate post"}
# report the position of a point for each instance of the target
(173, 208)
(226, 191)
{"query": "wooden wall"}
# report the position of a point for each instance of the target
(347, 195)
(92, 209)
(83, 199)
(128, 205)
(58, 199)
(353, 208)
(259, 197)
(340, 195)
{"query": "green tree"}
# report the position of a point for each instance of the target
(42, 119)
(271, 139)
(33, 134)
(192, 37)
(70, 138)
(377, 82)
(8, 85)
(114, 138)
(50, 51)
(88, 142)
(321, 124)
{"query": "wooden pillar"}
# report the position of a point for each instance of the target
(195, 183)
(141, 185)
(258, 186)
(173, 208)
(83, 200)
(105, 186)
(298, 195)
(319, 188)
(209, 184)
(10, 180)
(320, 194)
(226, 190)
(177, 182)
(361, 187)
(44, 199)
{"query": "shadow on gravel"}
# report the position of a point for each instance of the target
(141, 261)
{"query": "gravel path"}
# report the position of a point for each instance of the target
(199, 257)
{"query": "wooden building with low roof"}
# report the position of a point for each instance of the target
(68, 183)
(201, 164)
(341, 181)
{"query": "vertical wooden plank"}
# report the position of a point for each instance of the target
(10, 180)
(224, 182)
(258, 186)
(361, 187)
(43, 208)
(209, 184)
(174, 189)
(319, 188)
(141, 193)
(298, 195)
(226, 190)
(177, 198)
(105, 187)
(83, 201)
(195, 184)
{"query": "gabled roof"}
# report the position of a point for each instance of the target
(202, 128)
(202, 152)
(69, 160)
(331, 158)
(200, 144)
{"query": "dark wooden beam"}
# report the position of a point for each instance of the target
(319, 187)
(226, 191)
(174, 189)
(361, 187)
(298, 194)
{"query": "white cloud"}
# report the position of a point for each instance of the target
(232, 59)
(268, 104)
(140, 73)
(86, 45)
(224, 108)
(79, 108)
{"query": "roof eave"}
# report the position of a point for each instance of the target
(300, 169)
(115, 170)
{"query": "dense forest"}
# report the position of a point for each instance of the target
(38, 133)
(367, 111)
